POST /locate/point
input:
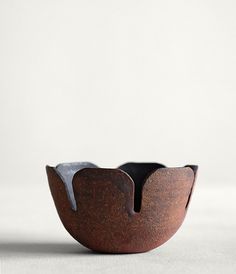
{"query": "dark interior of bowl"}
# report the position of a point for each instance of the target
(137, 171)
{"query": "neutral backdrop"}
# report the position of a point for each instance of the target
(111, 82)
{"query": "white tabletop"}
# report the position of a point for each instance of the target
(32, 239)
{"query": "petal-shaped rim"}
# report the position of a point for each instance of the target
(139, 172)
(195, 170)
(137, 187)
(66, 172)
(188, 170)
(121, 179)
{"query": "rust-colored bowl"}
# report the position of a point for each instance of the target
(134, 208)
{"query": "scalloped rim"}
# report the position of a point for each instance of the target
(68, 178)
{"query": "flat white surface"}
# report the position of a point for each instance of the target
(32, 239)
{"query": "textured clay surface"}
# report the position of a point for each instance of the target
(105, 219)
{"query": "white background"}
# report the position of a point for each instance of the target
(111, 82)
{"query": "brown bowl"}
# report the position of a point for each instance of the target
(134, 208)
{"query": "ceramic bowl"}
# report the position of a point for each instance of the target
(133, 208)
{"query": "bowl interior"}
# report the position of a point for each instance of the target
(67, 171)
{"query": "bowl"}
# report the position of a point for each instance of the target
(133, 208)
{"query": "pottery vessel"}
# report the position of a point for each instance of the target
(133, 208)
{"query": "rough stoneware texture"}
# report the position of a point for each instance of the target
(105, 219)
